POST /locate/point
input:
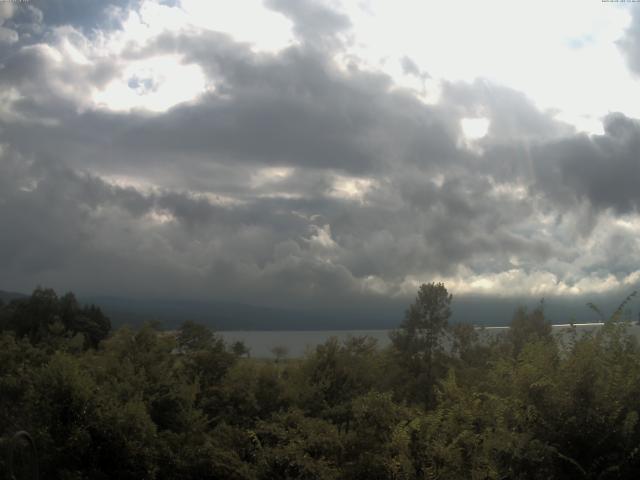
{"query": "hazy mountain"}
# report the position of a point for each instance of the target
(220, 315)
(487, 311)
(8, 296)
(237, 316)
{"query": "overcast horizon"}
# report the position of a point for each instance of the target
(311, 153)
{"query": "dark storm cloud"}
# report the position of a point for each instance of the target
(295, 108)
(98, 232)
(292, 108)
(601, 169)
(432, 227)
(293, 179)
(47, 225)
(34, 67)
(267, 246)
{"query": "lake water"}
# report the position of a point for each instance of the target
(298, 342)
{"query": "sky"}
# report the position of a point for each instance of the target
(320, 152)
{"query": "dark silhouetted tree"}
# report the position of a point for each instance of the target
(420, 335)
(527, 327)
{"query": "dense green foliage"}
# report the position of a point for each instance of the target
(438, 403)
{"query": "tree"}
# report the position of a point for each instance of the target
(527, 327)
(336, 373)
(419, 337)
(31, 317)
(376, 445)
(46, 317)
(280, 352)
(240, 349)
(93, 324)
(194, 336)
(295, 446)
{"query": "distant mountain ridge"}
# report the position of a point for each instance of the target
(219, 315)
(223, 315)
(8, 296)
(239, 316)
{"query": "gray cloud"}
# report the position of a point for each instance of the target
(630, 42)
(512, 115)
(100, 233)
(314, 23)
(84, 14)
(29, 23)
(296, 180)
(295, 108)
(602, 169)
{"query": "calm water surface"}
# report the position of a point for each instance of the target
(298, 343)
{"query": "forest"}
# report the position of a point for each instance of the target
(438, 403)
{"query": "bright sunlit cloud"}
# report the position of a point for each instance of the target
(351, 188)
(519, 282)
(153, 84)
(247, 21)
(474, 128)
(563, 55)
(574, 68)
(270, 175)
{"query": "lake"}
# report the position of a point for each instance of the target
(298, 342)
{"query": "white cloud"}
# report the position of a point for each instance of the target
(474, 128)
(246, 21)
(155, 84)
(270, 175)
(561, 54)
(517, 282)
(8, 36)
(351, 188)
